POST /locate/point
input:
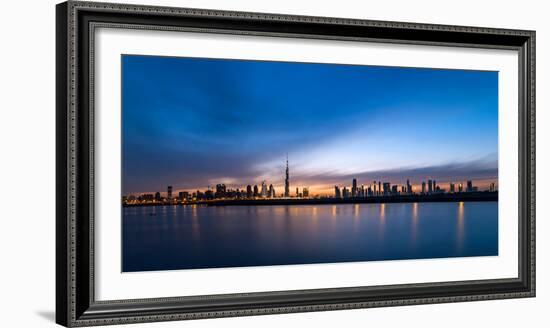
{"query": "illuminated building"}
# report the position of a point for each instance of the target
(264, 190)
(220, 190)
(183, 196)
(271, 191)
(287, 180)
(255, 194)
(169, 193)
(157, 197)
(386, 188)
(460, 187)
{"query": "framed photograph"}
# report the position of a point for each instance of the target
(214, 163)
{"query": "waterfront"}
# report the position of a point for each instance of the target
(190, 236)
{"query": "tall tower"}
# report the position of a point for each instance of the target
(287, 184)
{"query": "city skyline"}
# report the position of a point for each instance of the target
(373, 188)
(192, 123)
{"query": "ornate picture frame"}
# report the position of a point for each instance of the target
(76, 304)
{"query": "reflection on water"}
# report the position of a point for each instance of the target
(180, 237)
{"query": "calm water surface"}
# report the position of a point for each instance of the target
(184, 237)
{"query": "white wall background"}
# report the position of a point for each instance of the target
(27, 162)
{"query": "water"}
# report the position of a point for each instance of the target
(184, 237)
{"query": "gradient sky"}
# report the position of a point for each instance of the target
(193, 123)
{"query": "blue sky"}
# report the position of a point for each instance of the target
(192, 123)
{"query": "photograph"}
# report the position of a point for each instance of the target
(243, 163)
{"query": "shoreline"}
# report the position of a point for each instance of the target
(482, 196)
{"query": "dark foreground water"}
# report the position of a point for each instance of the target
(184, 237)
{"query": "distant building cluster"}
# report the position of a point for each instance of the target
(263, 191)
(378, 188)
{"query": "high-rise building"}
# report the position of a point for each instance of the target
(255, 193)
(220, 190)
(297, 192)
(271, 191)
(354, 188)
(469, 186)
(379, 187)
(305, 192)
(394, 190)
(264, 190)
(430, 186)
(423, 187)
(374, 188)
(435, 185)
(409, 187)
(460, 187)
(451, 187)
(345, 192)
(249, 191)
(386, 189)
(169, 193)
(287, 180)
(157, 196)
(337, 193)
(492, 187)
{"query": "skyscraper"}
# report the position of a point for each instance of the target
(469, 186)
(249, 191)
(264, 189)
(423, 187)
(169, 193)
(354, 188)
(271, 191)
(387, 188)
(430, 186)
(255, 194)
(287, 182)
(305, 192)
(337, 193)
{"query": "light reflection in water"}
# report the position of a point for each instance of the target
(356, 211)
(414, 225)
(382, 221)
(460, 226)
(200, 236)
(195, 227)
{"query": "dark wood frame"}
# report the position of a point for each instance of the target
(75, 302)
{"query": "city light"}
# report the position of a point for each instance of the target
(376, 190)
